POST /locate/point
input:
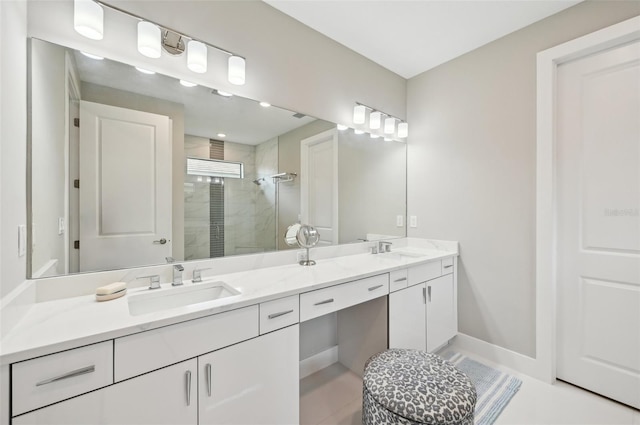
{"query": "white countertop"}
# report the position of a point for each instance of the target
(67, 323)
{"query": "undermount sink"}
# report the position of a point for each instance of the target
(164, 299)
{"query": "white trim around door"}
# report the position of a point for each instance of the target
(547, 66)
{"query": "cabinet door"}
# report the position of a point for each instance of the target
(441, 320)
(159, 397)
(254, 382)
(407, 326)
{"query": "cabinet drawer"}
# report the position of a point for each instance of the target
(279, 313)
(150, 350)
(447, 265)
(323, 301)
(398, 279)
(49, 379)
(424, 272)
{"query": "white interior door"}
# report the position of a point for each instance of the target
(319, 185)
(598, 223)
(125, 187)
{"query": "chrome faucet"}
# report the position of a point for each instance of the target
(384, 246)
(197, 275)
(177, 275)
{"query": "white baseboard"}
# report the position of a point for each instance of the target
(496, 354)
(318, 361)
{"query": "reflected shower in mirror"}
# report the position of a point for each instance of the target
(130, 167)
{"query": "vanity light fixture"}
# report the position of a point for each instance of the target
(403, 130)
(92, 56)
(149, 39)
(374, 120)
(389, 125)
(342, 127)
(374, 136)
(388, 139)
(358, 131)
(88, 19)
(187, 83)
(145, 71)
(236, 70)
(265, 104)
(197, 56)
(359, 114)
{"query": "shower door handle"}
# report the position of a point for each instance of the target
(217, 231)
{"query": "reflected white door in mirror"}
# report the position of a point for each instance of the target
(125, 187)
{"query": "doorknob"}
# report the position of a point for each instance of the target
(160, 242)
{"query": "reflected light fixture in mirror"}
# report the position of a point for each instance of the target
(342, 127)
(149, 39)
(88, 19)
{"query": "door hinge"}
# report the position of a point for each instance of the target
(76, 183)
(76, 122)
(76, 244)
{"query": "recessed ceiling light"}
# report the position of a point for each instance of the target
(145, 71)
(224, 93)
(265, 104)
(222, 135)
(187, 83)
(92, 56)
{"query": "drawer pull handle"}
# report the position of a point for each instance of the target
(207, 369)
(330, 300)
(424, 294)
(402, 279)
(73, 373)
(429, 292)
(449, 266)
(188, 382)
(373, 288)
(282, 313)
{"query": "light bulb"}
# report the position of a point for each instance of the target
(149, 39)
(341, 127)
(88, 19)
(197, 56)
(359, 112)
(403, 130)
(389, 125)
(236, 70)
(374, 120)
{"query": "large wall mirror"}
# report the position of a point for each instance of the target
(130, 168)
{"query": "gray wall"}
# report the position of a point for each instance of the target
(471, 174)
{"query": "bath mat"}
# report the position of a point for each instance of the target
(495, 388)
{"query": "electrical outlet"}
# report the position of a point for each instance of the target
(301, 256)
(413, 221)
(399, 221)
(61, 225)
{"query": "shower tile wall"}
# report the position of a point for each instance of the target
(240, 202)
(196, 205)
(266, 166)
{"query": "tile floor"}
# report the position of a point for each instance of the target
(333, 396)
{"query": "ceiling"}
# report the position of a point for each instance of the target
(410, 37)
(205, 112)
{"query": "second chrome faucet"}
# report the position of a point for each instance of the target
(177, 275)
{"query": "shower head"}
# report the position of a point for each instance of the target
(259, 181)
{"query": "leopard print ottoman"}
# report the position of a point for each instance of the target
(407, 387)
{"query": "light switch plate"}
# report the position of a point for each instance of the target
(60, 225)
(399, 221)
(413, 221)
(22, 240)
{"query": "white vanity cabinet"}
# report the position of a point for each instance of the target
(165, 396)
(254, 382)
(424, 315)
